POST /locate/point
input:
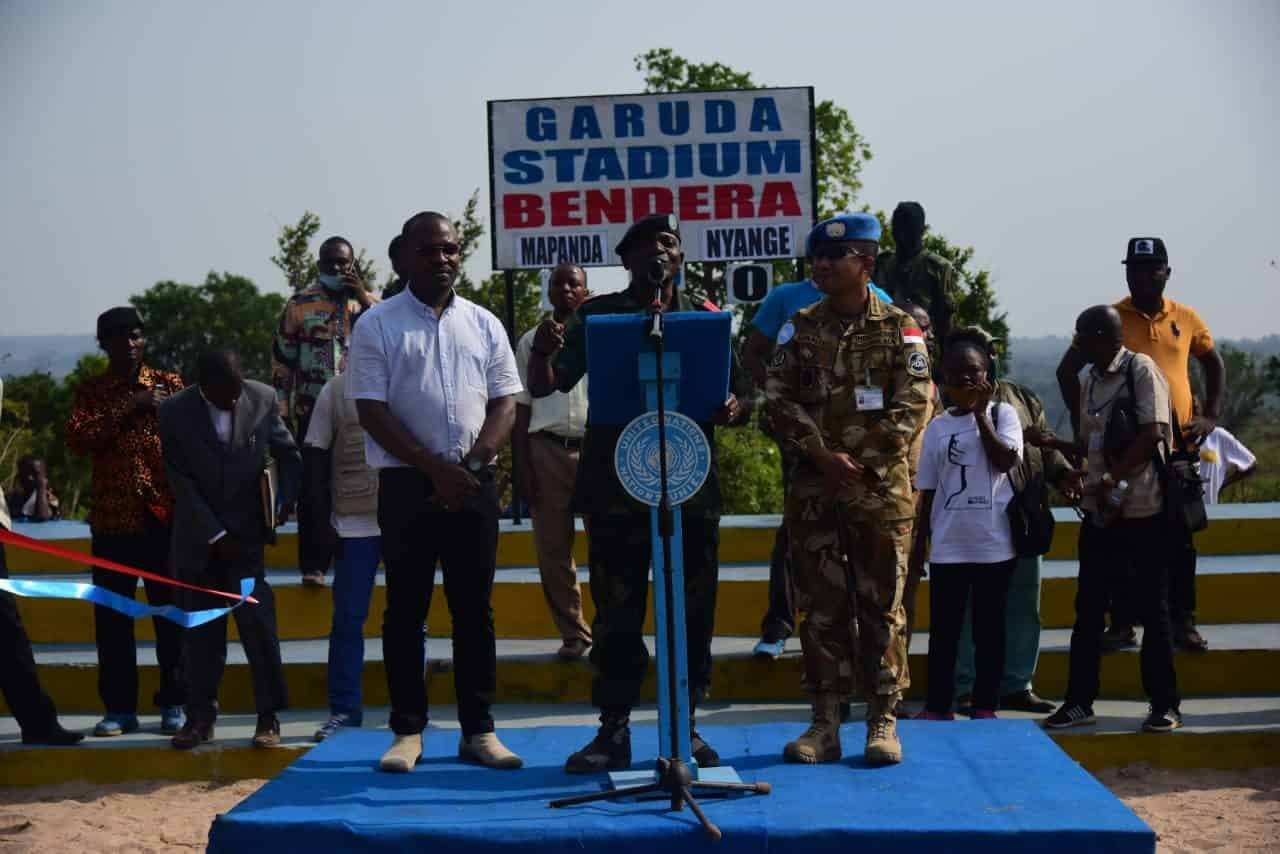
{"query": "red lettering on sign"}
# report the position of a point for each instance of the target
(651, 200)
(733, 201)
(778, 198)
(564, 208)
(522, 210)
(693, 203)
(610, 208)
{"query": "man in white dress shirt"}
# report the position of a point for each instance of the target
(434, 381)
(547, 441)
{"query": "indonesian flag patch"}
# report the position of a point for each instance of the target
(912, 336)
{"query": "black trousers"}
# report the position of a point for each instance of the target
(317, 544)
(780, 620)
(205, 647)
(416, 534)
(27, 701)
(949, 591)
(619, 551)
(1182, 581)
(113, 631)
(1140, 547)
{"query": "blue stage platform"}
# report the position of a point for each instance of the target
(978, 786)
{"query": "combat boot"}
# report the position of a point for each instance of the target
(610, 750)
(883, 746)
(821, 741)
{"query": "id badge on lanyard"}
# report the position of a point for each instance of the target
(867, 397)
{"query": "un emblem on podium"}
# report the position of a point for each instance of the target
(688, 458)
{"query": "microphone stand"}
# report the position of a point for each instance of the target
(674, 777)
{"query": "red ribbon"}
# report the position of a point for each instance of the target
(10, 538)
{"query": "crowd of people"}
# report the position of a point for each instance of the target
(904, 454)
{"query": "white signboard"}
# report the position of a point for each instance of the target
(568, 175)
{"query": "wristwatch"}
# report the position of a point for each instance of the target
(474, 466)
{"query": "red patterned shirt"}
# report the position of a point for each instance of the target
(129, 479)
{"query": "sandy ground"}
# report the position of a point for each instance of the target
(1191, 811)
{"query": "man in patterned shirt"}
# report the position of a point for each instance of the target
(114, 421)
(314, 332)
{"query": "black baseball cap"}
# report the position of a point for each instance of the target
(1146, 250)
(647, 226)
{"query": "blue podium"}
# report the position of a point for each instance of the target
(660, 375)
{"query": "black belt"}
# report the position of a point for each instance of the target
(563, 441)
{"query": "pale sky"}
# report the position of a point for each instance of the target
(150, 141)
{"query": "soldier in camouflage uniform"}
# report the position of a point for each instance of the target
(911, 273)
(618, 525)
(848, 388)
(309, 346)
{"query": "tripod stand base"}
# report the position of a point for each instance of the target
(629, 779)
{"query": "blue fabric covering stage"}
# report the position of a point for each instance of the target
(979, 786)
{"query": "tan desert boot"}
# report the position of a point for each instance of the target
(486, 749)
(821, 741)
(403, 754)
(883, 746)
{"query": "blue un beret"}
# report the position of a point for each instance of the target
(842, 227)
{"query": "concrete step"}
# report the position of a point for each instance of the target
(1230, 589)
(1242, 659)
(1228, 732)
(1234, 529)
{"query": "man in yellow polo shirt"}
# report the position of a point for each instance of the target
(1170, 333)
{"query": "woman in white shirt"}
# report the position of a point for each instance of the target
(963, 526)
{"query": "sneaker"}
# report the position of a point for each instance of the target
(404, 753)
(171, 719)
(1163, 720)
(1119, 637)
(769, 649)
(704, 754)
(983, 714)
(56, 737)
(1069, 715)
(926, 715)
(1026, 701)
(116, 723)
(336, 722)
(267, 732)
(610, 750)
(573, 649)
(314, 578)
(486, 749)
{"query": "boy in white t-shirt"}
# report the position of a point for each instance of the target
(965, 490)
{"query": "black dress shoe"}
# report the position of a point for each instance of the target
(56, 737)
(1026, 701)
(192, 735)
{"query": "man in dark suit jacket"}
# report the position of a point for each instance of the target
(216, 436)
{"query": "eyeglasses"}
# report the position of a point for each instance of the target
(443, 248)
(836, 252)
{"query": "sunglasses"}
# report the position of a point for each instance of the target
(835, 252)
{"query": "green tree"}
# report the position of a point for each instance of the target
(1249, 381)
(225, 311)
(298, 262)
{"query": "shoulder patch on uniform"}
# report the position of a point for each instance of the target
(786, 333)
(918, 364)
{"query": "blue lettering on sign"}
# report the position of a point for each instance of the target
(721, 117)
(730, 162)
(523, 166)
(647, 161)
(564, 158)
(684, 161)
(673, 117)
(767, 157)
(584, 124)
(603, 163)
(628, 120)
(764, 115)
(540, 124)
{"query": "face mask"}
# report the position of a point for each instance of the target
(331, 281)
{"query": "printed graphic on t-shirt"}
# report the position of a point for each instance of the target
(966, 480)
